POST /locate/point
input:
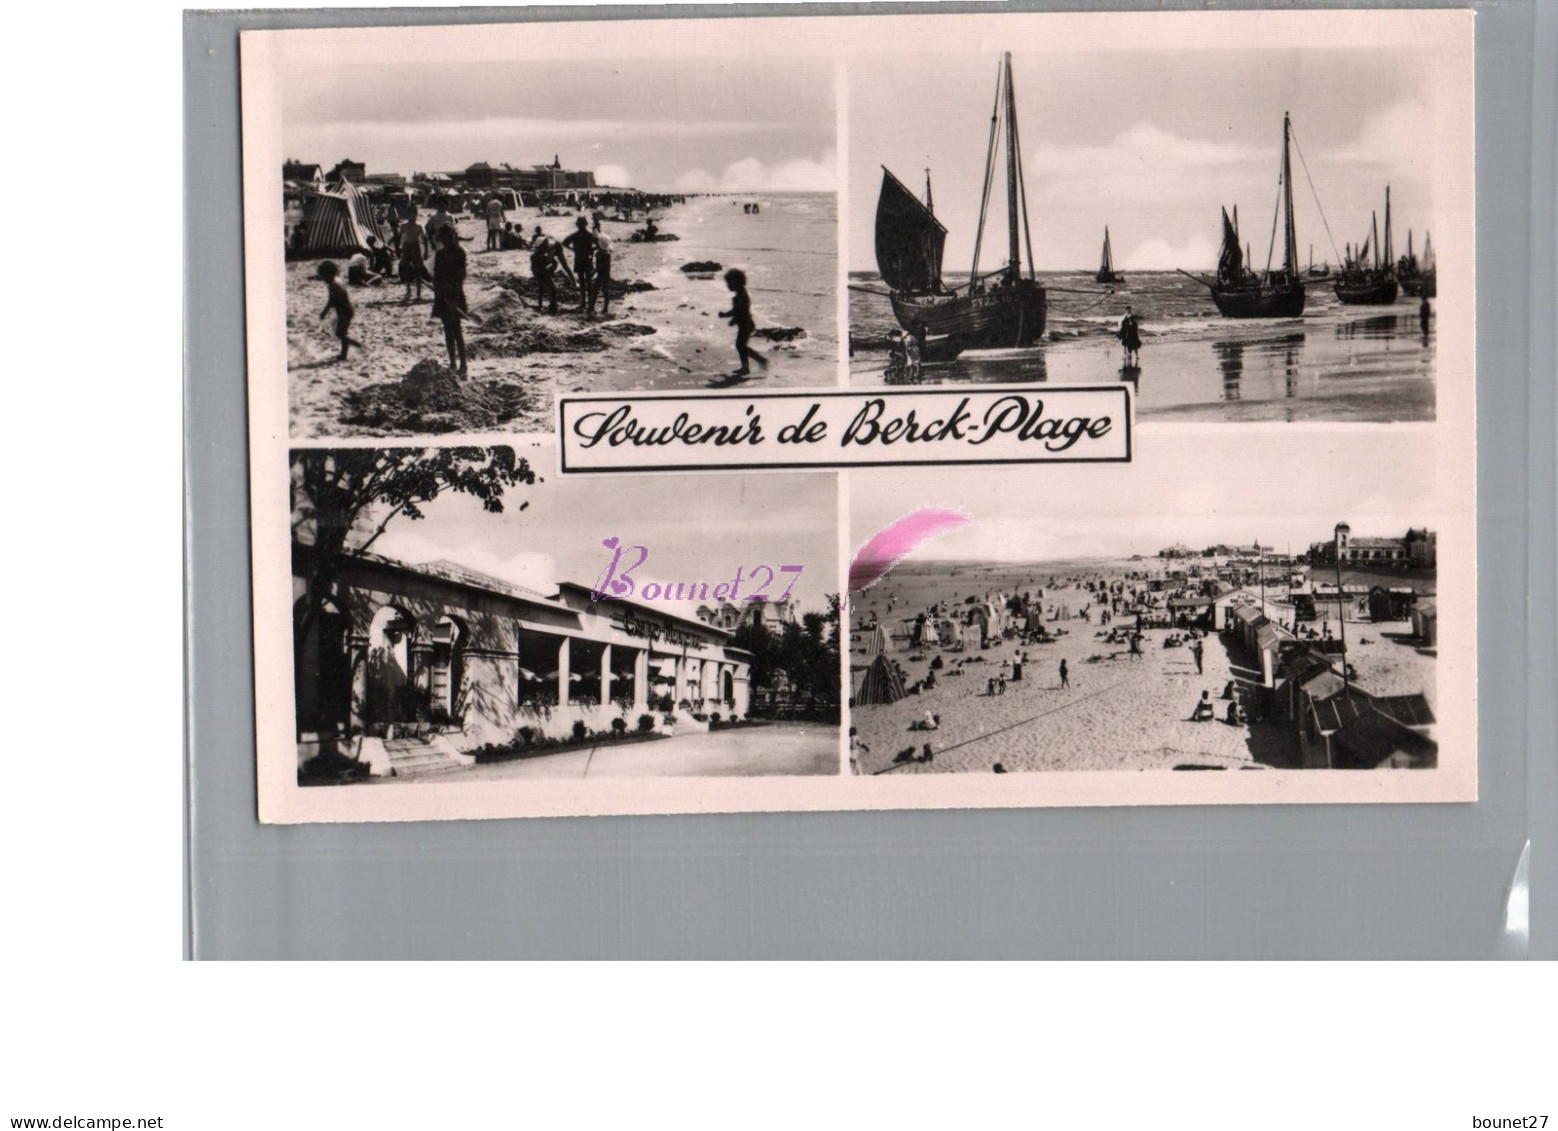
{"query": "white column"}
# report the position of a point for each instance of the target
(641, 680)
(563, 672)
(605, 675)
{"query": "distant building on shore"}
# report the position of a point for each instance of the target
(348, 170)
(530, 178)
(1416, 549)
(302, 173)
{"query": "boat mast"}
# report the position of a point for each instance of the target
(1374, 237)
(1390, 263)
(984, 199)
(1290, 236)
(1013, 251)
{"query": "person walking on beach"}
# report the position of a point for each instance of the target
(602, 275)
(1195, 650)
(1065, 676)
(338, 300)
(740, 316)
(494, 210)
(582, 243)
(449, 294)
(413, 265)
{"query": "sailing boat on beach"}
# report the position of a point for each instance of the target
(1106, 271)
(1418, 277)
(1001, 309)
(1321, 272)
(1239, 292)
(1367, 281)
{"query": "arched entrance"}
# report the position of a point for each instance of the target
(727, 686)
(388, 692)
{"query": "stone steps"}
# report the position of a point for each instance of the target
(417, 757)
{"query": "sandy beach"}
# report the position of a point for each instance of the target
(662, 332)
(1118, 713)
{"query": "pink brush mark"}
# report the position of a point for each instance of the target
(890, 546)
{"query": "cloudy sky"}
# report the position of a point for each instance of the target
(654, 124)
(696, 528)
(1380, 483)
(1151, 144)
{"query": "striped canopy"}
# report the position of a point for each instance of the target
(337, 221)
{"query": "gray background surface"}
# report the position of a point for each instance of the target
(1266, 882)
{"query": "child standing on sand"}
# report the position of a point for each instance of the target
(449, 294)
(740, 316)
(338, 300)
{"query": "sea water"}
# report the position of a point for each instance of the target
(789, 251)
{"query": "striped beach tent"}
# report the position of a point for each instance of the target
(336, 221)
(876, 641)
(882, 683)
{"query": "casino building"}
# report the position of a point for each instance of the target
(439, 649)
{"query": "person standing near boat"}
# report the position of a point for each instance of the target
(1129, 333)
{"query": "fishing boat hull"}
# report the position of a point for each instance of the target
(1259, 300)
(1002, 318)
(1423, 286)
(1109, 277)
(1379, 292)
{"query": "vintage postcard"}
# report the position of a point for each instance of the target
(866, 412)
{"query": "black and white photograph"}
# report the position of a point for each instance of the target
(1242, 231)
(461, 615)
(473, 220)
(1225, 228)
(1192, 629)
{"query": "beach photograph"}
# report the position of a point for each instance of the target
(460, 615)
(478, 225)
(1243, 232)
(1194, 629)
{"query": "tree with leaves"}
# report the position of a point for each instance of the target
(805, 655)
(350, 495)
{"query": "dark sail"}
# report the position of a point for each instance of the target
(1230, 264)
(909, 240)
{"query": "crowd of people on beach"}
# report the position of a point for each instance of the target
(583, 257)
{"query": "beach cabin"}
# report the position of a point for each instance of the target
(1425, 623)
(1190, 611)
(1270, 638)
(1373, 740)
(1225, 605)
(1392, 604)
(1317, 723)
